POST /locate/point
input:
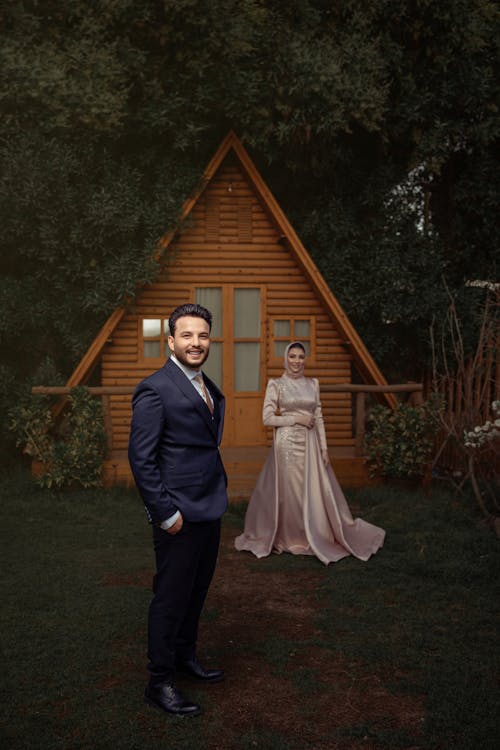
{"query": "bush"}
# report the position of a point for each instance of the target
(72, 456)
(400, 442)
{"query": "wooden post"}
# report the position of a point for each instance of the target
(108, 425)
(360, 423)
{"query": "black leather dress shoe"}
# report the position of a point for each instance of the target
(168, 698)
(193, 669)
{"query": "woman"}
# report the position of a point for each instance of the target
(297, 505)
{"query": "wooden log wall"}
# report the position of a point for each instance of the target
(230, 239)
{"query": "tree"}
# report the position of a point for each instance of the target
(375, 124)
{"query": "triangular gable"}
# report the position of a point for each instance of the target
(365, 365)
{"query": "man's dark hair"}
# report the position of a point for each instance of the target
(191, 309)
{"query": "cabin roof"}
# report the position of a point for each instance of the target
(362, 359)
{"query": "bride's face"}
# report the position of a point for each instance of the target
(296, 359)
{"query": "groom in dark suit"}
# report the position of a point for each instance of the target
(177, 422)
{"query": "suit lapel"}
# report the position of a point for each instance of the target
(176, 375)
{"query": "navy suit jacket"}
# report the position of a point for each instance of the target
(174, 447)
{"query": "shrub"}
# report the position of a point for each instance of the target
(72, 456)
(399, 442)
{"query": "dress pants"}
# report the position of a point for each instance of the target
(185, 563)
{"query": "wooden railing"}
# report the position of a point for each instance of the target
(98, 390)
(361, 391)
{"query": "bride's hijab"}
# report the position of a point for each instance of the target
(294, 375)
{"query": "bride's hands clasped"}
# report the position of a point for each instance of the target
(305, 419)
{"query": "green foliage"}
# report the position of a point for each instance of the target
(73, 458)
(376, 125)
(85, 444)
(399, 442)
(31, 422)
(78, 240)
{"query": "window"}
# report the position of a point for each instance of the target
(247, 339)
(286, 330)
(235, 339)
(153, 338)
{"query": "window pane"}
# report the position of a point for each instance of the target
(211, 298)
(302, 328)
(167, 351)
(279, 348)
(151, 349)
(166, 329)
(247, 367)
(247, 313)
(307, 347)
(282, 328)
(213, 365)
(151, 327)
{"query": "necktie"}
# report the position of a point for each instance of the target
(205, 394)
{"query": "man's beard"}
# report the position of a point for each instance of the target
(192, 366)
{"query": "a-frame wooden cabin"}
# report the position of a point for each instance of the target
(239, 256)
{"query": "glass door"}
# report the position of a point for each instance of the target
(236, 358)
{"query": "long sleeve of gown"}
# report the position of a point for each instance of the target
(318, 419)
(271, 406)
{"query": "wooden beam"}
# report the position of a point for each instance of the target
(362, 388)
(89, 360)
(64, 390)
(124, 390)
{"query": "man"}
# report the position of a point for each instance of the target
(177, 422)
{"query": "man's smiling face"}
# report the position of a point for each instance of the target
(191, 341)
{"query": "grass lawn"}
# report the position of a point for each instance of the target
(398, 652)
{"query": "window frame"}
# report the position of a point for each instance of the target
(311, 319)
(162, 339)
(257, 339)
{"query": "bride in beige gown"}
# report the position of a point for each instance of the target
(298, 505)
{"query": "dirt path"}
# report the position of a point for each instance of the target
(279, 677)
